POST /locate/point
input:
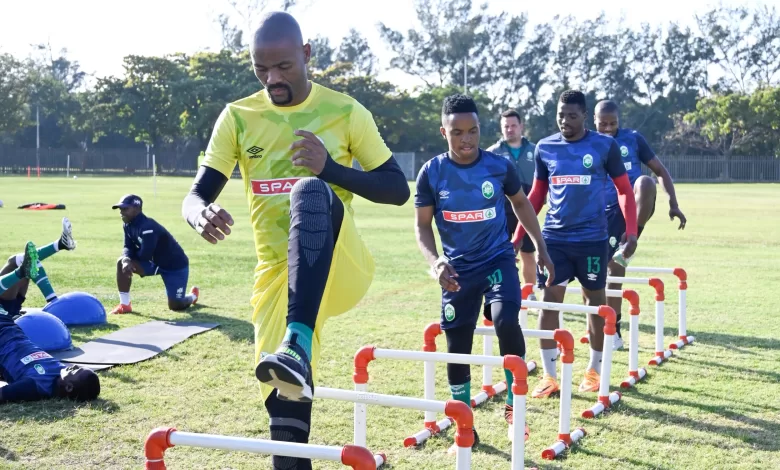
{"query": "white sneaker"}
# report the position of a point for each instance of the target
(617, 345)
(66, 239)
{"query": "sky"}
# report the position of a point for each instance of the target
(98, 37)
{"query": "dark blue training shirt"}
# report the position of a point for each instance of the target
(146, 240)
(469, 206)
(30, 372)
(578, 173)
(634, 151)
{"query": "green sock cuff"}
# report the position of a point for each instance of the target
(8, 280)
(303, 336)
(462, 393)
(42, 281)
(510, 397)
(48, 250)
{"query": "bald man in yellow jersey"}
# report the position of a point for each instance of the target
(294, 143)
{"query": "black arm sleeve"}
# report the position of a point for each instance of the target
(385, 184)
(22, 390)
(205, 190)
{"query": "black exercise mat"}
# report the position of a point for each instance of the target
(135, 344)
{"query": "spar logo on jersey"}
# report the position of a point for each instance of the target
(570, 179)
(36, 356)
(624, 151)
(273, 187)
(470, 216)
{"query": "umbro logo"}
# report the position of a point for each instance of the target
(444, 194)
(254, 151)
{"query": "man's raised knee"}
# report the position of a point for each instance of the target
(309, 188)
(645, 185)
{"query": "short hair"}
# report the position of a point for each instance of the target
(278, 26)
(606, 106)
(458, 103)
(512, 113)
(86, 387)
(573, 97)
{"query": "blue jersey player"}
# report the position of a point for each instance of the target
(575, 165)
(635, 152)
(31, 373)
(464, 191)
(150, 250)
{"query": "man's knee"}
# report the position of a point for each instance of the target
(178, 305)
(644, 187)
(313, 191)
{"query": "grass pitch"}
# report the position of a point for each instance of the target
(716, 404)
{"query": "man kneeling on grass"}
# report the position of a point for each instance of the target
(32, 374)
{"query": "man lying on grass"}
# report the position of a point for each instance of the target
(32, 374)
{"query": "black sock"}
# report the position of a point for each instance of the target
(316, 214)
(289, 422)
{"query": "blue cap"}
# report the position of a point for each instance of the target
(128, 200)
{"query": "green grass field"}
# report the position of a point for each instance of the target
(714, 405)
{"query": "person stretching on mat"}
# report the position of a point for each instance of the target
(150, 250)
(295, 142)
(635, 152)
(575, 166)
(464, 190)
(13, 297)
(31, 373)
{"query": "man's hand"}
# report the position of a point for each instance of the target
(676, 212)
(310, 152)
(446, 275)
(543, 261)
(630, 245)
(127, 266)
(214, 223)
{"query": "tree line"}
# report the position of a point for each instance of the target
(661, 75)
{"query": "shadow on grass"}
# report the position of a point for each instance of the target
(6, 454)
(234, 328)
(757, 407)
(771, 377)
(49, 411)
(635, 462)
(763, 438)
(719, 339)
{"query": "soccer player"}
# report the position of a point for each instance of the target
(31, 373)
(520, 151)
(295, 142)
(12, 297)
(150, 250)
(464, 190)
(574, 165)
(635, 152)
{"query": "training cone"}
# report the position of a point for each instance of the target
(46, 331)
(77, 309)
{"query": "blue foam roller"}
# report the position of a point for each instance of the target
(77, 309)
(46, 331)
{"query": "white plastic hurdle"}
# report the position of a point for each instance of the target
(514, 364)
(605, 399)
(162, 439)
(456, 411)
(635, 373)
(661, 354)
(682, 287)
(565, 340)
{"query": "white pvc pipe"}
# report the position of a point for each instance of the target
(487, 350)
(524, 318)
(682, 329)
(578, 290)
(599, 407)
(426, 434)
(659, 326)
(628, 280)
(429, 369)
(379, 460)
(541, 334)
(518, 434)
(564, 419)
(369, 398)
(633, 347)
(463, 458)
(482, 396)
(258, 446)
(449, 358)
(559, 446)
(361, 418)
(562, 307)
(606, 365)
(642, 269)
